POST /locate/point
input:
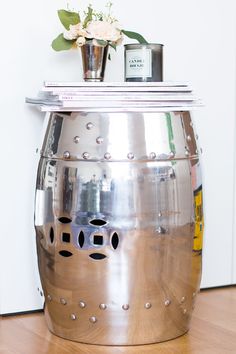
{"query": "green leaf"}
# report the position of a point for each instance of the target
(101, 42)
(89, 16)
(113, 46)
(135, 35)
(60, 43)
(68, 18)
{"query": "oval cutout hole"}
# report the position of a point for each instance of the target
(115, 240)
(65, 253)
(81, 239)
(97, 256)
(64, 220)
(51, 235)
(98, 222)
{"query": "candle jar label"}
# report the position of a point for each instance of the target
(138, 63)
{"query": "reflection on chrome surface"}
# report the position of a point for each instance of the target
(123, 235)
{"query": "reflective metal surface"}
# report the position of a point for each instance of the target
(94, 59)
(119, 226)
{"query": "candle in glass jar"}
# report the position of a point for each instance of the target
(143, 62)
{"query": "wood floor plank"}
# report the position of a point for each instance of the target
(218, 307)
(213, 331)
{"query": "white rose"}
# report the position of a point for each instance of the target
(103, 30)
(80, 41)
(74, 32)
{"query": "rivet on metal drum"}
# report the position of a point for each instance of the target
(89, 126)
(76, 139)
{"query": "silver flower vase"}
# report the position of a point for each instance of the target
(94, 59)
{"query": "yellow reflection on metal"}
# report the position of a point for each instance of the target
(199, 221)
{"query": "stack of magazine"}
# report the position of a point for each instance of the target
(109, 96)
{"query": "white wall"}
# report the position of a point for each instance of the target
(234, 191)
(199, 40)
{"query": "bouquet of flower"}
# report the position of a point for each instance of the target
(101, 28)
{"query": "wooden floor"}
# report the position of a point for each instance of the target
(213, 331)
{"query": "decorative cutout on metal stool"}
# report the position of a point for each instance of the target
(65, 237)
(51, 235)
(97, 240)
(64, 220)
(81, 239)
(115, 240)
(97, 256)
(97, 222)
(65, 253)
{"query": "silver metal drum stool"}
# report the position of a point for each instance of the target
(119, 225)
